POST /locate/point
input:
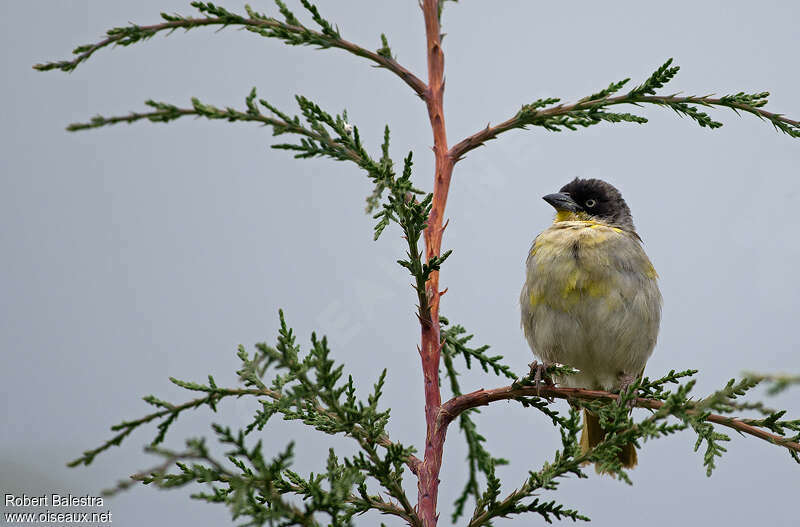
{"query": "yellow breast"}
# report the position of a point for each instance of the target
(576, 260)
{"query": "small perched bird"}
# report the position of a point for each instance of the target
(590, 299)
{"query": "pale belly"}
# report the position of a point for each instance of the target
(591, 301)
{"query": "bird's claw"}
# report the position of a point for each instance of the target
(540, 377)
(625, 384)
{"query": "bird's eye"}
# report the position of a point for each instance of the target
(590, 203)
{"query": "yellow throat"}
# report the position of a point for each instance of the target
(566, 215)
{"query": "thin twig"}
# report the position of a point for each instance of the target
(228, 114)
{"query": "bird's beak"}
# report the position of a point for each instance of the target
(561, 202)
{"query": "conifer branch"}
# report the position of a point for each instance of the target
(271, 479)
(589, 111)
(455, 406)
(319, 408)
(454, 343)
(322, 135)
(210, 470)
(479, 459)
(291, 31)
(305, 388)
(171, 412)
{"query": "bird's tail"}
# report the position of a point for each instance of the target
(593, 434)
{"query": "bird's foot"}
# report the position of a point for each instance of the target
(625, 382)
(540, 377)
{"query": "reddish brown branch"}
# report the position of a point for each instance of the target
(490, 132)
(455, 406)
(430, 350)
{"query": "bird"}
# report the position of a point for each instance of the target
(591, 299)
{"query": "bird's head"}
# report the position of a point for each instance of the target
(591, 200)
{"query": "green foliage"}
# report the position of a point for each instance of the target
(327, 28)
(321, 135)
(385, 50)
(690, 413)
(290, 31)
(413, 216)
(309, 388)
(622, 429)
(479, 460)
(592, 110)
(655, 389)
(657, 80)
(613, 88)
(566, 461)
(530, 114)
(455, 342)
(777, 383)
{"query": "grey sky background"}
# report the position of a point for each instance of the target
(135, 253)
